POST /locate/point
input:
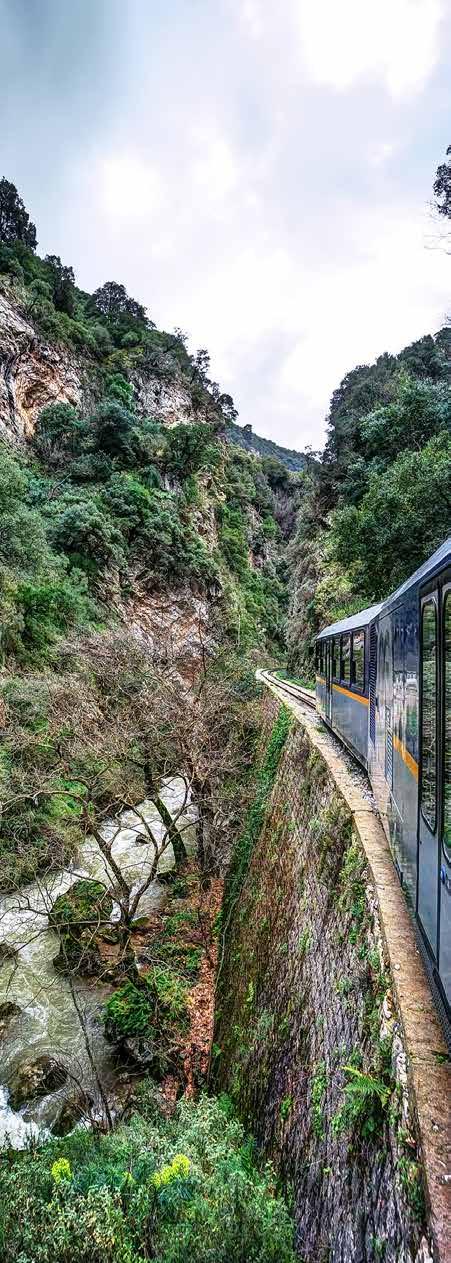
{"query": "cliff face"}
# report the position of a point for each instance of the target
(35, 372)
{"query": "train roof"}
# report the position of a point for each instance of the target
(428, 568)
(352, 623)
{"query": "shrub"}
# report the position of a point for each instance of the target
(190, 448)
(172, 1189)
(59, 432)
(160, 1002)
(85, 533)
(365, 1104)
(50, 607)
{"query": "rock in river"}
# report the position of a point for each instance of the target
(34, 1079)
(75, 1109)
(8, 1011)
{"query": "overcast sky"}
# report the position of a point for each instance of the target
(257, 172)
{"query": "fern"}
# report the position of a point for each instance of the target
(365, 1103)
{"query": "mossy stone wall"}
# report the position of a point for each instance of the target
(307, 1043)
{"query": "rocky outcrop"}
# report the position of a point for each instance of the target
(33, 373)
(76, 1108)
(35, 1079)
(168, 401)
(175, 626)
(7, 952)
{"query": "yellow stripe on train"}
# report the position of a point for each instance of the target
(407, 758)
(358, 697)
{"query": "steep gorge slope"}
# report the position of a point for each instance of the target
(240, 513)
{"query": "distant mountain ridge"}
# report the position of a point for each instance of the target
(244, 436)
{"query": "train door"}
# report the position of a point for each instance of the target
(388, 686)
(428, 826)
(329, 680)
(445, 822)
(372, 681)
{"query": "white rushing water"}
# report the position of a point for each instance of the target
(48, 1022)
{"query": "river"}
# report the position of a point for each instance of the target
(48, 1022)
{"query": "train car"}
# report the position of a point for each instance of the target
(343, 678)
(396, 659)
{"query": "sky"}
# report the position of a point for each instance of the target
(258, 174)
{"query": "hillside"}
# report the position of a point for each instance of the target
(379, 501)
(244, 436)
(123, 507)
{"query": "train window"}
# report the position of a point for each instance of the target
(358, 659)
(346, 659)
(429, 713)
(447, 758)
(336, 658)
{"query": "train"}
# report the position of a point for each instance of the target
(383, 685)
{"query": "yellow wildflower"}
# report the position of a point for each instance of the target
(181, 1165)
(177, 1169)
(61, 1170)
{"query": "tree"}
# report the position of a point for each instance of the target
(115, 729)
(15, 223)
(59, 432)
(227, 407)
(190, 448)
(201, 366)
(442, 186)
(112, 301)
(85, 533)
(112, 430)
(63, 284)
(404, 516)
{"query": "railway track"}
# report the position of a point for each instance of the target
(304, 695)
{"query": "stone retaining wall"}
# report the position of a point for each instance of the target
(327, 1061)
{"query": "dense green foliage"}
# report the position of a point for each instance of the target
(379, 503)
(112, 494)
(244, 436)
(244, 846)
(168, 1189)
(160, 1002)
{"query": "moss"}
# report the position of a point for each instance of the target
(158, 1004)
(85, 902)
(79, 917)
(264, 783)
(411, 1180)
(286, 1107)
(352, 891)
(181, 957)
(317, 1095)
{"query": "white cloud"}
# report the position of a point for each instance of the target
(392, 297)
(344, 41)
(215, 170)
(380, 152)
(130, 189)
(252, 17)
(264, 214)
